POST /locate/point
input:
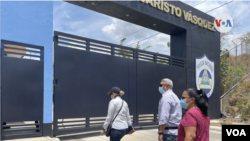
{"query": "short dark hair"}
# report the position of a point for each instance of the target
(201, 99)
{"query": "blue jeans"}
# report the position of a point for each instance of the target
(116, 135)
(167, 137)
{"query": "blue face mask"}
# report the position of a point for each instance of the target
(161, 90)
(183, 103)
(111, 97)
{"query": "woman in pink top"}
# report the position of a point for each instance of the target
(195, 123)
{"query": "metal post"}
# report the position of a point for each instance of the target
(1, 57)
(87, 45)
(136, 54)
(1, 122)
(2, 48)
(55, 125)
(155, 58)
(136, 117)
(38, 126)
(236, 65)
(155, 118)
(241, 48)
(112, 50)
(170, 59)
(87, 122)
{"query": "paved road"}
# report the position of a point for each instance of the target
(140, 135)
(215, 136)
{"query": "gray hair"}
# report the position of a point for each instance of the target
(168, 82)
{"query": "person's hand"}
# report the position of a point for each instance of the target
(160, 138)
(102, 132)
(131, 132)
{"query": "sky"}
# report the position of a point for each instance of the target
(76, 20)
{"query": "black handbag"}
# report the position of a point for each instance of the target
(108, 131)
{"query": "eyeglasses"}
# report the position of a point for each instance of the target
(162, 85)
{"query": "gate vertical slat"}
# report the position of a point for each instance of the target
(155, 58)
(112, 50)
(87, 45)
(155, 118)
(136, 116)
(1, 53)
(2, 48)
(87, 122)
(55, 121)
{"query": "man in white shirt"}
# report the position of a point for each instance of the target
(169, 111)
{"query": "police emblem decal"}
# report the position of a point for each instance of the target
(204, 75)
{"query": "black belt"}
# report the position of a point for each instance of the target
(167, 128)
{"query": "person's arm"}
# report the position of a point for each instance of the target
(162, 128)
(189, 123)
(128, 117)
(190, 133)
(111, 110)
(163, 117)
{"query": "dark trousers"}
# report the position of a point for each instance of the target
(167, 137)
(116, 135)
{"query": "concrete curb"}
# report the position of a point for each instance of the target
(53, 139)
(215, 128)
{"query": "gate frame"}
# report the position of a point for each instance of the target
(3, 41)
(179, 62)
(188, 40)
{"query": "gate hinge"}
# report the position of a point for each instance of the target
(55, 39)
(55, 82)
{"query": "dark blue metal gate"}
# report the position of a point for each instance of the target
(21, 90)
(85, 69)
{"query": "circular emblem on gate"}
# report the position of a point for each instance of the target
(223, 23)
(205, 75)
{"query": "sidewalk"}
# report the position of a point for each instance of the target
(35, 139)
(139, 135)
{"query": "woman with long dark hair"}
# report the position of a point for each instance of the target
(195, 123)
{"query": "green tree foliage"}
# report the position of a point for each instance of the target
(138, 46)
(224, 68)
(147, 47)
(125, 52)
(168, 44)
(162, 61)
(244, 109)
(229, 75)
